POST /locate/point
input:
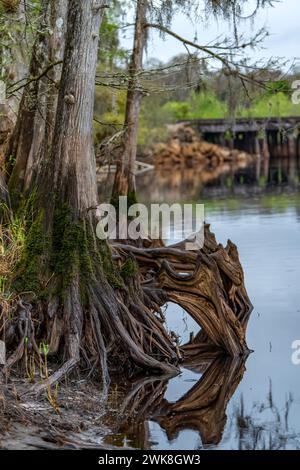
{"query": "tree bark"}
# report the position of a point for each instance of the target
(124, 184)
(208, 284)
(14, 66)
(33, 132)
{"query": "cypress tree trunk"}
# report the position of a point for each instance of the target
(33, 132)
(83, 306)
(13, 68)
(124, 184)
(13, 63)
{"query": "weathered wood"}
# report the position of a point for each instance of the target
(245, 133)
(244, 124)
(210, 288)
(187, 150)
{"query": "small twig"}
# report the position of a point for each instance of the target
(33, 79)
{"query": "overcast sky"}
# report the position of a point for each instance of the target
(282, 22)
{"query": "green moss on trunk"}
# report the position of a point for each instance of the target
(129, 268)
(30, 270)
(131, 198)
(68, 248)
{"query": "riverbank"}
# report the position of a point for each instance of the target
(31, 422)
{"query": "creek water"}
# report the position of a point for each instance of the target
(251, 405)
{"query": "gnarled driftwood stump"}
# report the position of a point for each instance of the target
(208, 284)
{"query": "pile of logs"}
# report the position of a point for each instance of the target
(186, 149)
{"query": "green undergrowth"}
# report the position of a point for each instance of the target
(30, 267)
(52, 257)
(131, 199)
(129, 268)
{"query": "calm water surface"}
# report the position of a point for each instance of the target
(257, 404)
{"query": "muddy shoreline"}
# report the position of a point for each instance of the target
(84, 418)
(29, 422)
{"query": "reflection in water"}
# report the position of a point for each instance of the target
(266, 426)
(238, 179)
(202, 408)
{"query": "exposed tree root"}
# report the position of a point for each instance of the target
(24, 328)
(57, 376)
(117, 328)
(208, 284)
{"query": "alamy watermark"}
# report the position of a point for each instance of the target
(296, 93)
(156, 221)
(2, 92)
(296, 354)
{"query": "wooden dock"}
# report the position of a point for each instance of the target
(264, 136)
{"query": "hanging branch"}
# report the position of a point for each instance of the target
(231, 68)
